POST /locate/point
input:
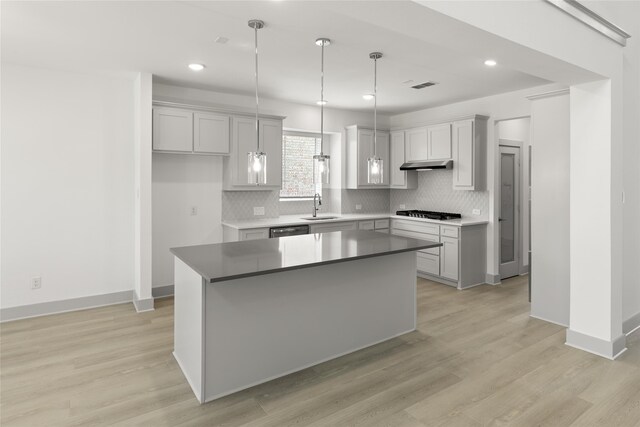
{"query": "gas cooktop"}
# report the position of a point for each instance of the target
(442, 216)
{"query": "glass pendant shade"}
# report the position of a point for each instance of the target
(257, 170)
(375, 170)
(321, 169)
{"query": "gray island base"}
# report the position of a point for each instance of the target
(249, 312)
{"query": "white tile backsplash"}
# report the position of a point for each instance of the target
(371, 201)
(238, 205)
(435, 193)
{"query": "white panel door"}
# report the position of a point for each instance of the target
(210, 133)
(397, 178)
(509, 211)
(417, 144)
(439, 142)
(172, 129)
(463, 155)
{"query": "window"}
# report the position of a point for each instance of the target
(298, 150)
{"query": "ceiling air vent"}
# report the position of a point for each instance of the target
(423, 85)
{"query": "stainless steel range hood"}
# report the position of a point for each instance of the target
(427, 165)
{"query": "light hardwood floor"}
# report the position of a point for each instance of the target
(476, 359)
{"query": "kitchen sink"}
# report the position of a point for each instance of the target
(318, 218)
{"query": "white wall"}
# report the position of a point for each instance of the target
(181, 182)
(67, 184)
(518, 130)
(550, 166)
(498, 107)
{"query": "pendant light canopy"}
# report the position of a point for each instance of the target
(321, 162)
(257, 160)
(375, 166)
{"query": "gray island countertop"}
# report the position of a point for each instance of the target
(233, 260)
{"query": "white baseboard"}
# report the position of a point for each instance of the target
(547, 320)
(492, 279)
(608, 349)
(631, 324)
(141, 305)
(162, 291)
(52, 307)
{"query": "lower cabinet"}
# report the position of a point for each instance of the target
(459, 262)
(428, 263)
(449, 258)
(254, 234)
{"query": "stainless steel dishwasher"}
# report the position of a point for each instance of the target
(293, 230)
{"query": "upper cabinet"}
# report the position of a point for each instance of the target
(439, 142)
(359, 149)
(398, 178)
(428, 143)
(469, 153)
(463, 141)
(243, 140)
(172, 129)
(180, 130)
(210, 133)
(416, 144)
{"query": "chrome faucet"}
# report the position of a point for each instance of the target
(315, 206)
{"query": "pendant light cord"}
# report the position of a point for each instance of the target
(375, 106)
(322, 100)
(257, 100)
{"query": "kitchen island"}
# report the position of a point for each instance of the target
(248, 312)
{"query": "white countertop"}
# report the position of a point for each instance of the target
(297, 219)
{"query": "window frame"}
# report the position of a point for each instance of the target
(318, 188)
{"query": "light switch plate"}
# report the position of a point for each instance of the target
(477, 211)
(358, 207)
(258, 210)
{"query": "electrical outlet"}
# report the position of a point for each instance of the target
(403, 206)
(258, 210)
(358, 207)
(194, 210)
(477, 211)
(36, 283)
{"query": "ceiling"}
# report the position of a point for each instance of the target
(162, 37)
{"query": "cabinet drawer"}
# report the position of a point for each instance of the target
(447, 231)
(420, 227)
(381, 223)
(327, 228)
(382, 230)
(254, 234)
(365, 225)
(428, 263)
(422, 236)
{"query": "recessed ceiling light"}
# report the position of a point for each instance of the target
(196, 67)
(490, 63)
(221, 40)
(322, 102)
(367, 96)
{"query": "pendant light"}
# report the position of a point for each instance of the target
(321, 162)
(257, 160)
(375, 164)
